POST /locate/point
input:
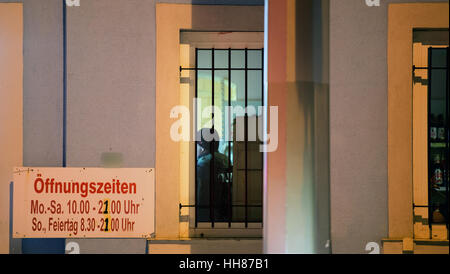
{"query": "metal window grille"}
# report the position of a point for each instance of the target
(229, 69)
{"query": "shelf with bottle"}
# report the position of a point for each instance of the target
(438, 145)
(438, 174)
(437, 130)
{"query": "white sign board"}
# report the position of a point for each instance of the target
(83, 203)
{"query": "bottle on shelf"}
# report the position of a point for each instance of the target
(433, 129)
(438, 217)
(437, 178)
(440, 128)
(444, 170)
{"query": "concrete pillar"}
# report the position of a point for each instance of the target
(297, 179)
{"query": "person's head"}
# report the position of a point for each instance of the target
(205, 137)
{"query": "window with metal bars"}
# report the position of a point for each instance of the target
(229, 164)
(438, 144)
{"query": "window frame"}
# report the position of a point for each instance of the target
(403, 18)
(423, 225)
(431, 68)
(219, 41)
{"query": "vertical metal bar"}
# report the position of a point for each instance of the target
(447, 134)
(11, 216)
(246, 138)
(196, 142)
(430, 172)
(212, 148)
(262, 153)
(64, 133)
(414, 222)
(230, 122)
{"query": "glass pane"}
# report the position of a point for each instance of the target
(204, 99)
(238, 195)
(438, 132)
(238, 88)
(254, 188)
(222, 179)
(255, 157)
(204, 58)
(204, 120)
(438, 103)
(222, 158)
(220, 101)
(238, 104)
(255, 88)
(439, 57)
(203, 183)
(223, 173)
(221, 59)
(254, 59)
(238, 150)
(254, 195)
(237, 59)
(254, 102)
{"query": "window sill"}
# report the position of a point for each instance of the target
(222, 230)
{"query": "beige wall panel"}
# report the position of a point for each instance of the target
(403, 18)
(11, 74)
(393, 248)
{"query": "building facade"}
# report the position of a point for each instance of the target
(101, 79)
